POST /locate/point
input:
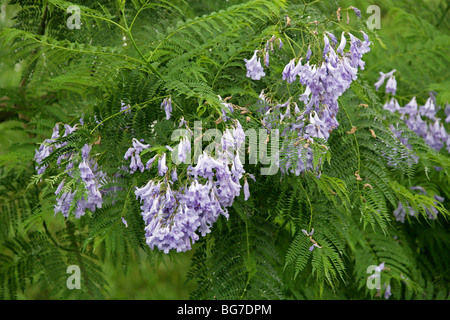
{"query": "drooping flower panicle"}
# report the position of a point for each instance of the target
(176, 218)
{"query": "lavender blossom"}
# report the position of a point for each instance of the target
(308, 234)
(162, 167)
(387, 292)
(317, 127)
(149, 163)
(184, 149)
(45, 149)
(227, 108)
(63, 203)
(175, 219)
(173, 175)
(332, 37)
(134, 153)
(167, 106)
(391, 85)
(324, 84)
(288, 74)
(392, 105)
(357, 11)
(429, 109)
(308, 54)
(254, 69)
(342, 44)
(69, 130)
(246, 190)
(410, 108)
(447, 113)
(327, 45)
(125, 108)
(357, 49)
(85, 151)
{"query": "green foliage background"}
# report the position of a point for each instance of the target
(195, 51)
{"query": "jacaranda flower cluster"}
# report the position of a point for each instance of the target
(323, 85)
(175, 218)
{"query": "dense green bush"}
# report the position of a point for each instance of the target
(359, 180)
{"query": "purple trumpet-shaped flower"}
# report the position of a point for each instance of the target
(60, 187)
(167, 106)
(392, 105)
(317, 127)
(85, 151)
(237, 169)
(227, 140)
(89, 176)
(377, 272)
(332, 37)
(342, 44)
(447, 113)
(149, 163)
(429, 109)
(162, 167)
(45, 149)
(238, 135)
(63, 203)
(288, 73)
(308, 54)
(410, 108)
(327, 45)
(419, 188)
(387, 292)
(91, 179)
(436, 135)
(310, 234)
(357, 11)
(418, 125)
(227, 107)
(125, 108)
(184, 150)
(391, 85)
(205, 166)
(254, 69)
(134, 153)
(401, 211)
(246, 190)
(69, 130)
(174, 175)
(287, 113)
(357, 49)
(305, 95)
(432, 214)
